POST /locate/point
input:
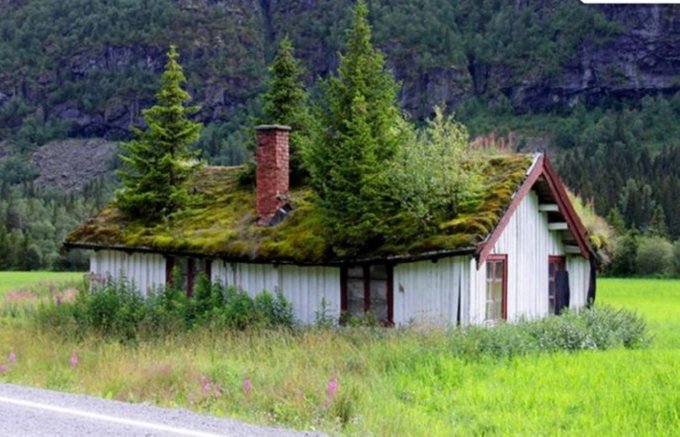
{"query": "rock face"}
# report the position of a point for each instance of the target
(69, 165)
(643, 59)
(98, 88)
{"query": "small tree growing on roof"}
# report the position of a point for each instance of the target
(158, 162)
(286, 103)
(357, 135)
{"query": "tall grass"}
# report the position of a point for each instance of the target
(390, 382)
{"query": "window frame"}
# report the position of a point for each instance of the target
(503, 260)
(366, 269)
(559, 260)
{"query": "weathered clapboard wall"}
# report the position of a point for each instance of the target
(579, 280)
(528, 243)
(427, 292)
(304, 287)
(145, 270)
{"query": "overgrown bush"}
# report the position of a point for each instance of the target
(596, 328)
(654, 256)
(118, 310)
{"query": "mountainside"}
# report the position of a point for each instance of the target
(597, 86)
(86, 68)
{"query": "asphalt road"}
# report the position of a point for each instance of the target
(30, 412)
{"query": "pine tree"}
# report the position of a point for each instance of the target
(286, 103)
(158, 162)
(355, 139)
(657, 225)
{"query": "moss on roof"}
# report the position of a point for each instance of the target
(221, 222)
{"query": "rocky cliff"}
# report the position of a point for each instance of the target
(87, 68)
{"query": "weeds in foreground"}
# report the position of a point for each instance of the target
(375, 381)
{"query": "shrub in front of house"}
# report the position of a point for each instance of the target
(118, 310)
(596, 328)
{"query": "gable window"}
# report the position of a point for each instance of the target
(555, 264)
(496, 288)
(367, 290)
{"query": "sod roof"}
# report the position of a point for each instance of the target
(221, 223)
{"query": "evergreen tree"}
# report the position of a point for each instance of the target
(615, 220)
(657, 225)
(357, 136)
(286, 103)
(5, 249)
(158, 162)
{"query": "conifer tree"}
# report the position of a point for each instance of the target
(158, 162)
(356, 137)
(286, 103)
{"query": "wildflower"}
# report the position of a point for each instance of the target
(247, 386)
(59, 300)
(12, 358)
(3, 368)
(332, 388)
(74, 360)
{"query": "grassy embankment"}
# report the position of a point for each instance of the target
(390, 382)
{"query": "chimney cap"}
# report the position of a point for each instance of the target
(272, 127)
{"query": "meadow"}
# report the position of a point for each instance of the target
(389, 382)
(16, 281)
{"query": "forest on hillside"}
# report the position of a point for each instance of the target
(595, 86)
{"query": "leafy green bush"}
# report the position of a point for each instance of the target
(597, 328)
(654, 256)
(117, 310)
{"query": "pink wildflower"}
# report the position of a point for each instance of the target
(12, 358)
(332, 388)
(3, 368)
(59, 300)
(247, 386)
(74, 360)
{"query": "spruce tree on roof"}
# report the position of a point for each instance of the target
(356, 138)
(158, 162)
(285, 103)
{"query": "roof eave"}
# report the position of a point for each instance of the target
(540, 167)
(391, 259)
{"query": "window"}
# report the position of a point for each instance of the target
(368, 289)
(496, 288)
(190, 268)
(555, 264)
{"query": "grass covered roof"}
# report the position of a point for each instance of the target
(221, 223)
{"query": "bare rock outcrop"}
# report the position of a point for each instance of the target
(70, 164)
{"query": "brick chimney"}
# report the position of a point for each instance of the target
(272, 175)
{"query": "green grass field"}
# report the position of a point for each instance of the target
(394, 383)
(19, 280)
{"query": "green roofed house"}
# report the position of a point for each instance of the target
(522, 252)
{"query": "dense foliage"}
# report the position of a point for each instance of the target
(34, 223)
(158, 162)
(118, 310)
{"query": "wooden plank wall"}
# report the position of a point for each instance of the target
(528, 243)
(145, 270)
(304, 287)
(426, 292)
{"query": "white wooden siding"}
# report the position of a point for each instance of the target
(528, 243)
(427, 292)
(145, 270)
(579, 280)
(304, 287)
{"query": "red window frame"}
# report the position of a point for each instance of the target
(496, 262)
(560, 264)
(344, 298)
